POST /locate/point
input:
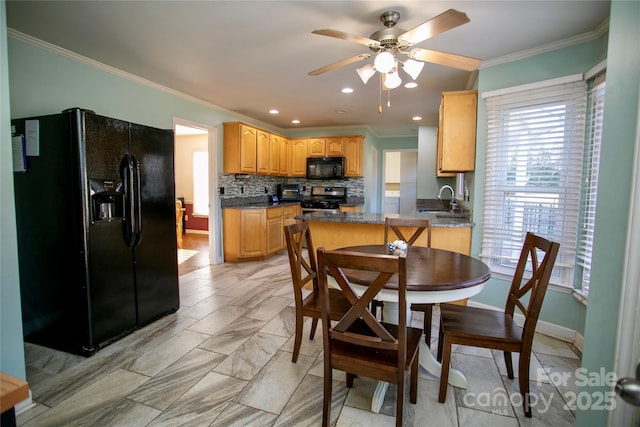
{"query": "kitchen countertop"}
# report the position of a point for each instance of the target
(261, 205)
(438, 219)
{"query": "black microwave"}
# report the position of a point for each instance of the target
(325, 168)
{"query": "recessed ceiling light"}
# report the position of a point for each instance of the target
(347, 90)
(340, 111)
(273, 111)
(411, 85)
(295, 121)
(416, 118)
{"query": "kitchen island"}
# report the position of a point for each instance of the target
(331, 231)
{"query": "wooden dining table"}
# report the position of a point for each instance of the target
(433, 276)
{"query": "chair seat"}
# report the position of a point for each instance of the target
(338, 302)
(367, 356)
(483, 324)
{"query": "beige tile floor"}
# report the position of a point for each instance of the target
(225, 359)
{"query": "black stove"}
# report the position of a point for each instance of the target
(324, 199)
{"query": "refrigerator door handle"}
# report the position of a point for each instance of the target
(138, 202)
(128, 225)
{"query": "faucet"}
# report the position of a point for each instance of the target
(453, 204)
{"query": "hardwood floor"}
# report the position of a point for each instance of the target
(194, 253)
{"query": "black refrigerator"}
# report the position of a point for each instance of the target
(96, 225)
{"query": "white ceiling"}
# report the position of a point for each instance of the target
(251, 56)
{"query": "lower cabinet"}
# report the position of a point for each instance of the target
(256, 233)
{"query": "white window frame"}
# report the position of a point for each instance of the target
(540, 124)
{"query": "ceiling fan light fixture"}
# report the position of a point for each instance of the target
(411, 85)
(366, 72)
(384, 62)
(413, 68)
(393, 80)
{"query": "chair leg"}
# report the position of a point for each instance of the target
(298, 337)
(428, 313)
(350, 378)
(523, 379)
(314, 325)
(509, 364)
(400, 399)
(413, 387)
(326, 401)
(440, 340)
(444, 370)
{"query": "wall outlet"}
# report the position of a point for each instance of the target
(242, 189)
(266, 190)
(186, 217)
(221, 190)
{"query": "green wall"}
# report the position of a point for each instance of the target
(11, 344)
(619, 140)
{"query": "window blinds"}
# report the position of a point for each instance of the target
(535, 146)
(590, 185)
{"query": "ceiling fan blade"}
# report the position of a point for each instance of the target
(348, 37)
(447, 59)
(444, 22)
(339, 64)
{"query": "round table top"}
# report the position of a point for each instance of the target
(429, 269)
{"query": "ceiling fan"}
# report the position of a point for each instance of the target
(394, 40)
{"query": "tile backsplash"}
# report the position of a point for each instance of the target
(258, 186)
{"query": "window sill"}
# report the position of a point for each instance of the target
(580, 297)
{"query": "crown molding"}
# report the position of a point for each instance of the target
(598, 32)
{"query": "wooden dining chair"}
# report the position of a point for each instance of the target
(304, 272)
(358, 343)
(392, 232)
(497, 330)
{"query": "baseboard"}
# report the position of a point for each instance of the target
(556, 331)
(189, 231)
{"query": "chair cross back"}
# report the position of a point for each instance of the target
(304, 270)
(537, 284)
(420, 225)
(360, 305)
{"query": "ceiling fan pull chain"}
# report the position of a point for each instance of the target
(380, 96)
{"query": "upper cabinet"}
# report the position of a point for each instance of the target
(352, 148)
(456, 138)
(248, 150)
(239, 148)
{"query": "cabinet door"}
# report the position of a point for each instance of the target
(298, 157)
(289, 214)
(333, 146)
(316, 147)
(275, 234)
(439, 172)
(352, 148)
(252, 242)
(247, 149)
(285, 157)
(458, 131)
(274, 154)
(262, 152)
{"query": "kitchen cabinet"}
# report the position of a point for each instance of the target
(298, 157)
(239, 148)
(351, 208)
(262, 152)
(352, 149)
(254, 234)
(249, 150)
(285, 157)
(275, 142)
(456, 137)
(316, 147)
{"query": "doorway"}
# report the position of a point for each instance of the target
(196, 181)
(400, 181)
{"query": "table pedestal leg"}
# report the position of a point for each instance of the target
(427, 360)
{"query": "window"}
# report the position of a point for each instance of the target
(590, 184)
(535, 149)
(201, 183)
